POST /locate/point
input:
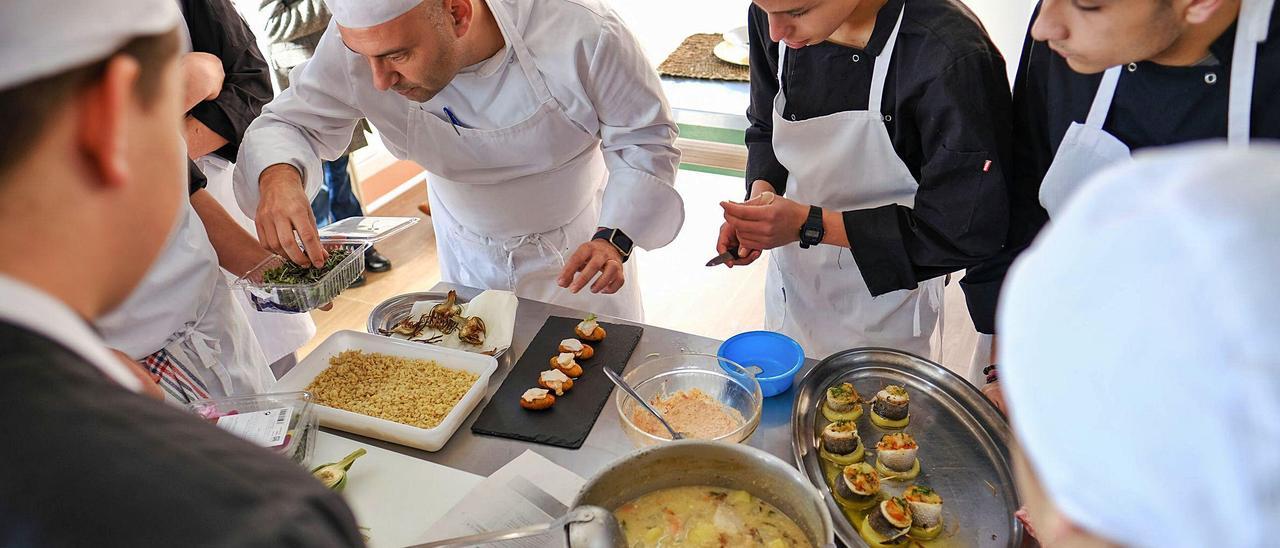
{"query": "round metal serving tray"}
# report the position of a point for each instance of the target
(391, 311)
(963, 439)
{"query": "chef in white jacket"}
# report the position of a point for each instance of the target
(1139, 352)
(544, 129)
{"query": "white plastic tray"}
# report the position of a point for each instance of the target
(427, 439)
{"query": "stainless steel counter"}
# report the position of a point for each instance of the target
(484, 454)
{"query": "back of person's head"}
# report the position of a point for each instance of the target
(1140, 353)
(91, 160)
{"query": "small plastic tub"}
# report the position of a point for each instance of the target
(296, 298)
(284, 422)
(777, 356)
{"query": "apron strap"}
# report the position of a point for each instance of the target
(1102, 100)
(539, 241)
(1251, 29)
(523, 57)
(881, 71)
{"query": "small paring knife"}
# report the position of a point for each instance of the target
(722, 258)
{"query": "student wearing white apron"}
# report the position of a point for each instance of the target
(548, 141)
(181, 322)
(182, 325)
(1210, 75)
(279, 335)
(885, 201)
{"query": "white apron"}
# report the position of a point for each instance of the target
(817, 296)
(1087, 148)
(212, 352)
(278, 335)
(510, 205)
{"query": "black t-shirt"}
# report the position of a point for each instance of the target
(948, 97)
(1154, 105)
(88, 463)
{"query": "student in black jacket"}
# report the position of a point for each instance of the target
(1101, 78)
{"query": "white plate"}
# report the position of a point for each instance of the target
(730, 53)
(737, 36)
(427, 439)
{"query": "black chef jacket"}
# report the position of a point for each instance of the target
(1154, 105)
(217, 29)
(88, 463)
(948, 95)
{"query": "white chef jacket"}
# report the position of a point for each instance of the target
(28, 307)
(592, 64)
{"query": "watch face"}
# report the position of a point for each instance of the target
(811, 234)
(622, 240)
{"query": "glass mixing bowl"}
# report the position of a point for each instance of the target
(664, 376)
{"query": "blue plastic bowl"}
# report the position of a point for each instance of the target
(778, 356)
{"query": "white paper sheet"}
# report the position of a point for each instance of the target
(529, 490)
(498, 310)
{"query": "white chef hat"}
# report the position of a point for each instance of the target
(358, 14)
(1140, 350)
(40, 38)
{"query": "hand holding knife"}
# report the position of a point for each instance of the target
(731, 242)
(722, 258)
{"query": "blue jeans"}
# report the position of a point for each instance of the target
(335, 201)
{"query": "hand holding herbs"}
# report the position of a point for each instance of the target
(334, 474)
(290, 273)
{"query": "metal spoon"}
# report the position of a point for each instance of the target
(589, 527)
(623, 385)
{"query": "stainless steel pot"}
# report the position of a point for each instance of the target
(697, 462)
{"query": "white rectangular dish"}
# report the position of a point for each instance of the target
(427, 439)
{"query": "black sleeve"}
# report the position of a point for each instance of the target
(216, 28)
(960, 215)
(195, 178)
(761, 163)
(1032, 154)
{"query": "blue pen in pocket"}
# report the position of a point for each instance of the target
(453, 119)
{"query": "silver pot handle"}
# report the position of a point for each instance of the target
(576, 515)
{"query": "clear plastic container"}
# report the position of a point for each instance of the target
(285, 422)
(365, 229)
(294, 298)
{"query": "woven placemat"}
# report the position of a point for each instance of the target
(694, 59)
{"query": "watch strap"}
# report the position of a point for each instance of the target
(812, 224)
(618, 239)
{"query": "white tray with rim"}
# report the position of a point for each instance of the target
(427, 439)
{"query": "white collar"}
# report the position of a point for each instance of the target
(31, 308)
(490, 66)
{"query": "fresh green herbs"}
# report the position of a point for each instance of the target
(289, 273)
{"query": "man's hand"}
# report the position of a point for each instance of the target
(591, 258)
(729, 240)
(766, 221)
(202, 77)
(149, 386)
(283, 208)
(992, 391)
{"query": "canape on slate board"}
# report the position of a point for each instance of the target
(569, 421)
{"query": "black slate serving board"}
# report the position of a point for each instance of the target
(569, 421)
